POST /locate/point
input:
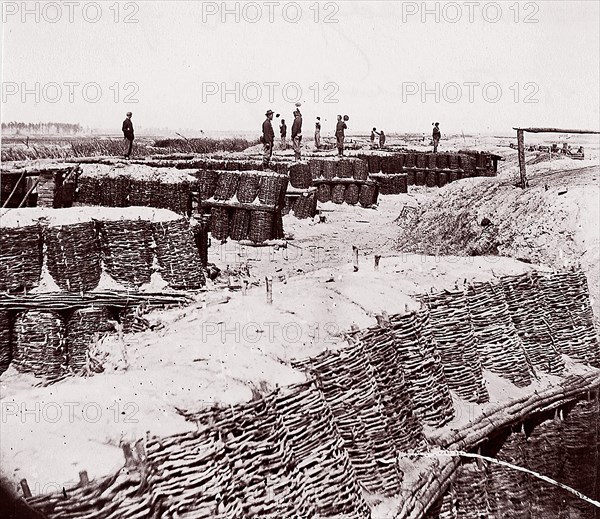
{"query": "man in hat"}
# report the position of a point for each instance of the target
(437, 135)
(373, 133)
(283, 133)
(339, 135)
(318, 133)
(268, 137)
(297, 134)
(381, 138)
(128, 133)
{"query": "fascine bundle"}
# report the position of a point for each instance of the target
(73, 256)
(82, 326)
(451, 328)
(404, 427)
(20, 258)
(530, 318)
(422, 369)
(350, 391)
(39, 343)
(127, 250)
(316, 444)
(177, 254)
(499, 344)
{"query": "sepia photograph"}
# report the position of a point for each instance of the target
(300, 259)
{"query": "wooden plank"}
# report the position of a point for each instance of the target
(238, 205)
(556, 130)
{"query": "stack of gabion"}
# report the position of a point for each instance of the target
(403, 426)
(451, 328)
(566, 297)
(422, 368)
(5, 348)
(127, 250)
(499, 344)
(531, 321)
(330, 481)
(39, 343)
(350, 390)
(73, 256)
(247, 205)
(82, 326)
(177, 255)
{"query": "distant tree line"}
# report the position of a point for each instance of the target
(19, 128)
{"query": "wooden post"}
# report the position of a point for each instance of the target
(377, 258)
(269, 280)
(355, 255)
(128, 453)
(26, 489)
(521, 146)
(244, 286)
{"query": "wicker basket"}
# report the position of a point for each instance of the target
(179, 259)
(206, 184)
(453, 161)
(374, 164)
(248, 187)
(452, 176)
(352, 194)
(442, 178)
(21, 258)
(239, 225)
(272, 190)
(127, 250)
(261, 226)
(305, 206)
(324, 193)
(73, 256)
(337, 193)
(82, 327)
(39, 343)
(329, 169)
(442, 161)
(368, 195)
(227, 185)
(301, 174)
(431, 160)
(219, 223)
(430, 178)
(410, 177)
(315, 167)
(360, 170)
(410, 160)
(421, 160)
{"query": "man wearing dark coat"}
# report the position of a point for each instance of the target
(128, 133)
(268, 138)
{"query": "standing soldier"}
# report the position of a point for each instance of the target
(318, 133)
(373, 133)
(297, 134)
(437, 135)
(268, 137)
(381, 139)
(128, 133)
(339, 135)
(283, 133)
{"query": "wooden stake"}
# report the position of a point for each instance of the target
(269, 280)
(14, 190)
(355, 254)
(377, 258)
(521, 146)
(25, 488)
(244, 287)
(83, 478)
(128, 454)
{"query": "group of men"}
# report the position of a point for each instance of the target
(268, 134)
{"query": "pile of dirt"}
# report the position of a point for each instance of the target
(556, 221)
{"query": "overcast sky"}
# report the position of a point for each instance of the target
(393, 65)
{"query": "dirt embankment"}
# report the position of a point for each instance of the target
(556, 221)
